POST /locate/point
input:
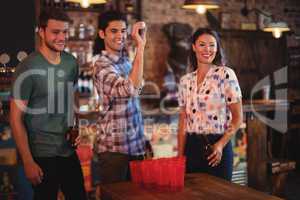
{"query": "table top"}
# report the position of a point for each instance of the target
(198, 186)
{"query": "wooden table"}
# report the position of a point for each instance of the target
(197, 186)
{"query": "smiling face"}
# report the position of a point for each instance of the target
(54, 35)
(205, 48)
(114, 36)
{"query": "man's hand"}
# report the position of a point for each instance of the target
(138, 33)
(73, 137)
(33, 172)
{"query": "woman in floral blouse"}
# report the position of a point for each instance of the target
(210, 108)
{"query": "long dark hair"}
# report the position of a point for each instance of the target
(103, 22)
(220, 55)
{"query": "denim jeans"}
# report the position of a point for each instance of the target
(197, 162)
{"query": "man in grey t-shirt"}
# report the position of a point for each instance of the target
(40, 107)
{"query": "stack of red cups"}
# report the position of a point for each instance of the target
(164, 174)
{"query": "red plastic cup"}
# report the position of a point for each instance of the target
(155, 173)
(136, 171)
(151, 175)
(177, 169)
(163, 173)
(146, 173)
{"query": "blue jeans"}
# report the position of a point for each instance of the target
(197, 162)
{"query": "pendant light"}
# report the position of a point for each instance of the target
(276, 28)
(201, 5)
(86, 3)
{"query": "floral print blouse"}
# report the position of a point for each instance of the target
(206, 104)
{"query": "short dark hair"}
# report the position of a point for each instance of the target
(103, 22)
(109, 16)
(52, 13)
(220, 55)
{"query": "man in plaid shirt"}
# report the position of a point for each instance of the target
(120, 136)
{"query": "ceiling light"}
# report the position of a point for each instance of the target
(86, 3)
(201, 5)
(277, 28)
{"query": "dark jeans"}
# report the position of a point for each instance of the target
(60, 173)
(197, 162)
(114, 167)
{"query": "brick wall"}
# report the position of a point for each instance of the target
(157, 13)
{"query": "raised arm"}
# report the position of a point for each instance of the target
(139, 36)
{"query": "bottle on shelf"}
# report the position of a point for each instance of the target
(81, 55)
(72, 31)
(79, 83)
(86, 82)
(90, 29)
(81, 31)
(89, 53)
(90, 82)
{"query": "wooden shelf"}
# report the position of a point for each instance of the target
(4, 87)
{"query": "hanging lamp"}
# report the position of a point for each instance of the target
(201, 5)
(86, 3)
(276, 28)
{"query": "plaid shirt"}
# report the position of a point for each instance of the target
(120, 129)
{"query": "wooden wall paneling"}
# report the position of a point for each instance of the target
(253, 55)
(256, 153)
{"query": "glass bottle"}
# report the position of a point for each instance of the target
(81, 31)
(79, 83)
(89, 54)
(72, 31)
(86, 82)
(90, 29)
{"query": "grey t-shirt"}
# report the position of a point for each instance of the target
(49, 91)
